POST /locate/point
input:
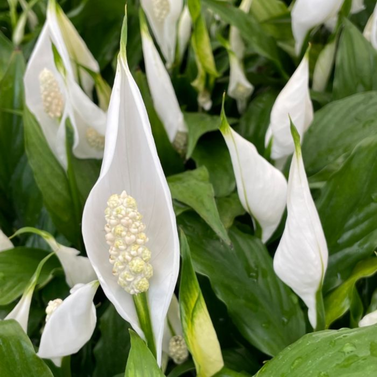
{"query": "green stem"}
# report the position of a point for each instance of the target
(142, 310)
(66, 366)
(321, 317)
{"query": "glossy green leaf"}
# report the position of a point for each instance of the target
(17, 355)
(17, 266)
(51, 180)
(229, 208)
(266, 9)
(264, 310)
(6, 52)
(113, 346)
(141, 362)
(348, 211)
(226, 372)
(193, 189)
(356, 63)
(198, 330)
(351, 353)
(337, 128)
(338, 302)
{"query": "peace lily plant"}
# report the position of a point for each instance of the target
(129, 225)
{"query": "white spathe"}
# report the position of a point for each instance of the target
(71, 325)
(184, 31)
(5, 242)
(292, 102)
(77, 103)
(370, 31)
(369, 319)
(301, 258)
(307, 14)
(164, 99)
(20, 312)
(261, 187)
(163, 16)
(131, 163)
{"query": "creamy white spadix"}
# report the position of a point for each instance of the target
(293, 102)
(131, 166)
(58, 88)
(261, 187)
(301, 258)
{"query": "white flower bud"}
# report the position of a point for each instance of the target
(52, 98)
(52, 306)
(95, 139)
(178, 349)
(128, 255)
(161, 9)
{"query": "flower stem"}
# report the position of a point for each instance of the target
(66, 366)
(142, 310)
(321, 317)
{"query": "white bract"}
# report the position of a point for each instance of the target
(53, 93)
(301, 258)
(5, 242)
(357, 6)
(20, 312)
(131, 164)
(293, 102)
(163, 16)
(69, 323)
(162, 91)
(184, 31)
(261, 187)
(369, 319)
(370, 31)
(307, 14)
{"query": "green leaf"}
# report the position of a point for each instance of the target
(198, 330)
(17, 266)
(266, 9)
(11, 105)
(348, 211)
(351, 353)
(214, 155)
(6, 48)
(193, 189)
(249, 28)
(51, 180)
(226, 372)
(141, 362)
(229, 208)
(356, 63)
(17, 355)
(339, 301)
(264, 310)
(337, 128)
(112, 349)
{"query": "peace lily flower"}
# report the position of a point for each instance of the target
(307, 14)
(77, 268)
(70, 323)
(163, 16)
(301, 258)
(369, 319)
(59, 62)
(370, 31)
(357, 6)
(5, 243)
(184, 31)
(261, 187)
(162, 91)
(132, 202)
(293, 102)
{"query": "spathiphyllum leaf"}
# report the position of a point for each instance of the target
(163, 16)
(166, 105)
(301, 257)
(52, 88)
(306, 14)
(262, 188)
(294, 103)
(133, 184)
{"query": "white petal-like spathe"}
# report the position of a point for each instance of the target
(162, 91)
(301, 258)
(20, 312)
(184, 31)
(357, 6)
(71, 325)
(293, 102)
(261, 187)
(370, 31)
(5, 242)
(369, 319)
(131, 163)
(306, 14)
(163, 16)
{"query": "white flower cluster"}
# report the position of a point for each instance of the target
(52, 98)
(126, 237)
(161, 9)
(178, 349)
(52, 306)
(95, 139)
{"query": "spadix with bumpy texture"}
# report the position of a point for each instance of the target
(52, 306)
(95, 139)
(178, 349)
(126, 237)
(161, 9)
(52, 98)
